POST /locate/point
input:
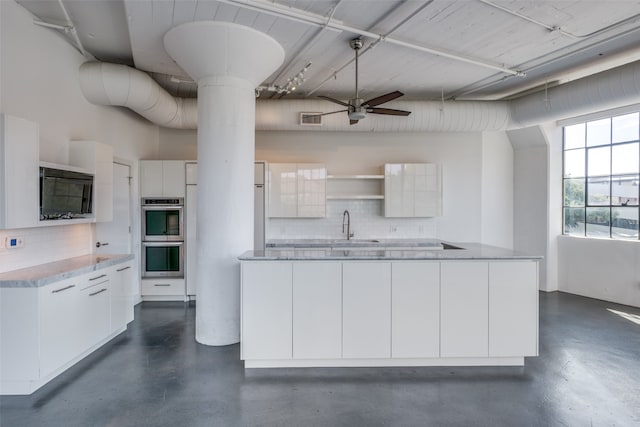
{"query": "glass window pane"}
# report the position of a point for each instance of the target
(624, 128)
(599, 161)
(574, 136)
(598, 224)
(574, 163)
(624, 158)
(624, 223)
(598, 191)
(624, 190)
(574, 221)
(599, 132)
(574, 192)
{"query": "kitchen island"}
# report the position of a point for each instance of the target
(388, 304)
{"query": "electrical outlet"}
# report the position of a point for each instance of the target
(393, 229)
(12, 242)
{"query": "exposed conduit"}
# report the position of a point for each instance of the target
(111, 84)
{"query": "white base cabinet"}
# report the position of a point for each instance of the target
(46, 330)
(464, 331)
(266, 311)
(366, 310)
(388, 313)
(415, 308)
(317, 310)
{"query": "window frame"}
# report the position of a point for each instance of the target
(586, 180)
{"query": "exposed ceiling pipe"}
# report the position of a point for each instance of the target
(73, 31)
(111, 84)
(555, 28)
(372, 44)
(312, 19)
(307, 46)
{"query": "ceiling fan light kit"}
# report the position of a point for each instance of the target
(357, 108)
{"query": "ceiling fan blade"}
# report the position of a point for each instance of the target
(383, 98)
(353, 122)
(388, 111)
(337, 101)
(332, 112)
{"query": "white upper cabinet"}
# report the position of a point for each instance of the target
(162, 178)
(297, 190)
(98, 158)
(412, 190)
(19, 172)
(191, 173)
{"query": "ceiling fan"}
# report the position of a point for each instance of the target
(357, 108)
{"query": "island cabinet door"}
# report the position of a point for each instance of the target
(266, 310)
(513, 308)
(464, 317)
(366, 310)
(317, 310)
(415, 309)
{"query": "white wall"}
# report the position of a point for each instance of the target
(468, 173)
(39, 82)
(530, 194)
(460, 155)
(497, 190)
(600, 268)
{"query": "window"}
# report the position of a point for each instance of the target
(600, 179)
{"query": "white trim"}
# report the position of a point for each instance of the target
(633, 108)
(325, 363)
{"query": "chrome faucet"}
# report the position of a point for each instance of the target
(346, 214)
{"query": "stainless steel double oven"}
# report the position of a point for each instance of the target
(162, 237)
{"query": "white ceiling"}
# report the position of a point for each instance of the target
(462, 49)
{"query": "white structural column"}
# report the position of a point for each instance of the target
(228, 61)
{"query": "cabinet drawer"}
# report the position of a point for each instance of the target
(162, 287)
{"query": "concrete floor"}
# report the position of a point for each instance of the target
(588, 374)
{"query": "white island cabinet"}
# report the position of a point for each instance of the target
(306, 311)
(366, 309)
(317, 310)
(415, 308)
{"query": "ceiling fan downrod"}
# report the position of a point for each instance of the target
(356, 45)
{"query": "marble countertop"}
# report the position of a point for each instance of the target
(42, 275)
(432, 244)
(467, 251)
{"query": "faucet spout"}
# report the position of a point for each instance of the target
(347, 216)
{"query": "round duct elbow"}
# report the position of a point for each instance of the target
(120, 85)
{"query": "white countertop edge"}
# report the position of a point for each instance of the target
(44, 274)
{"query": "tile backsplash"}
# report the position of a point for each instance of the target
(367, 222)
(45, 244)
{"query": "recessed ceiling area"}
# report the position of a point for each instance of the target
(451, 49)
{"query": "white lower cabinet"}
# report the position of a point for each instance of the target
(59, 319)
(317, 310)
(366, 310)
(266, 310)
(45, 330)
(464, 315)
(122, 295)
(513, 308)
(415, 309)
(95, 311)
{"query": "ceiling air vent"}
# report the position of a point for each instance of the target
(310, 119)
